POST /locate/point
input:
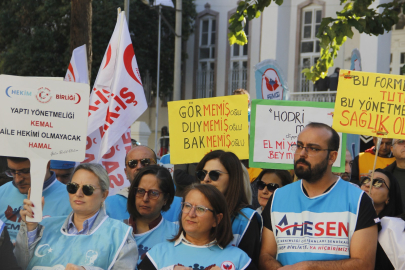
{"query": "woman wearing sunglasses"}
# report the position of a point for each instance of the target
(151, 192)
(203, 238)
(223, 170)
(86, 239)
(385, 193)
(386, 196)
(267, 182)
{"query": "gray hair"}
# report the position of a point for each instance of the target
(99, 171)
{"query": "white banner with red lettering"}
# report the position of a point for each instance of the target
(117, 100)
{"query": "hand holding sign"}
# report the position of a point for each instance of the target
(42, 119)
(28, 212)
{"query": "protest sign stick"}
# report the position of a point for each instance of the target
(38, 167)
(375, 161)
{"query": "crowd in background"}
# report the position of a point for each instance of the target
(217, 214)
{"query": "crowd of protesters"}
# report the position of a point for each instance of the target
(206, 217)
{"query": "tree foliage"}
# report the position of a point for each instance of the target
(35, 37)
(332, 33)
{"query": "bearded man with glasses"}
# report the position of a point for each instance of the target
(137, 158)
(320, 221)
(12, 194)
(397, 168)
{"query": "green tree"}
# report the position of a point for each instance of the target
(34, 37)
(332, 33)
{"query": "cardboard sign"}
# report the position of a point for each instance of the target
(275, 126)
(42, 119)
(199, 126)
(370, 104)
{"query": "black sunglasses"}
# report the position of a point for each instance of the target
(88, 190)
(377, 182)
(213, 175)
(145, 162)
(270, 186)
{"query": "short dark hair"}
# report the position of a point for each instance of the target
(223, 231)
(17, 159)
(235, 195)
(165, 185)
(284, 175)
(334, 140)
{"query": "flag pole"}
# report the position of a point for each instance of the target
(375, 162)
(157, 84)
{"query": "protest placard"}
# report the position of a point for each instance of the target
(42, 119)
(275, 126)
(199, 126)
(370, 104)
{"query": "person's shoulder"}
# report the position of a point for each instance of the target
(114, 198)
(7, 187)
(391, 167)
(287, 188)
(351, 187)
(55, 186)
(161, 248)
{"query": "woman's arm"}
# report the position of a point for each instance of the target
(22, 251)
(128, 256)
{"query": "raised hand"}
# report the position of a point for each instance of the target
(27, 211)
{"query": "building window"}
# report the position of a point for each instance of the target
(402, 63)
(310, 48)
(206, 57)
(237, 76)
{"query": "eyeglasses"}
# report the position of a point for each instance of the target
(270, 186)
(377, 182)
(213, 175)
(145, 162)
(12, 173)
(152, 193)
(310, 150)
(199, 209)
(88, 190)
(399, 142)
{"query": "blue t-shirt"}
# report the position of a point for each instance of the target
(56, 204)
(116, 207)
(198, 257)
(164, 231)
(175, 209)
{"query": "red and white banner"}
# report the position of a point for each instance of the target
(116, 101)
(77, 70)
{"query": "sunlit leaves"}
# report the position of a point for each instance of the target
(333, 32)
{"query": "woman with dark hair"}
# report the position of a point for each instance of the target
(203, 238)
(223, 170)
(385, 193)
(267, 182)
(386, 196)
(151, 192)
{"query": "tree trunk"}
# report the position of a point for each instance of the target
(80, 28)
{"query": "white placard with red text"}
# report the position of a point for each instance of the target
(42, 119)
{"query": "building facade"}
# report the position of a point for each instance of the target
(286, 33)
